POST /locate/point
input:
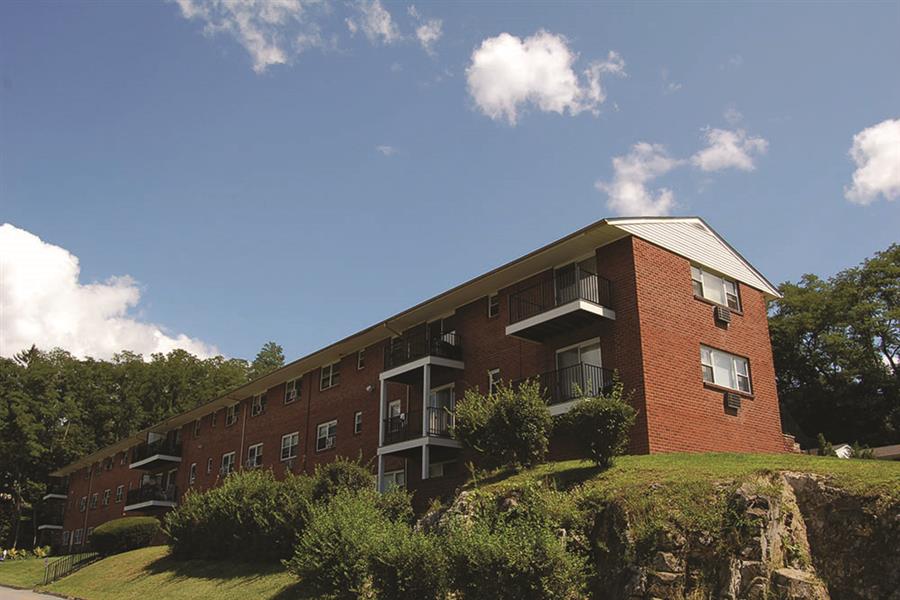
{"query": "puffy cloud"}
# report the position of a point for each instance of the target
(876, 153)
(270, 30)
(428, 32)
(375, 22)
(386, 150)
(727, 149)
(507, 73)
(627, 192)
(42, 302)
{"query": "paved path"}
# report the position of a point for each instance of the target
(11, 594)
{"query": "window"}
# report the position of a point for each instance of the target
(108, 464)
(437, 469)
(291, 390)
(393, 479)
(65, 538)
(95, 497)
(493, 305)
(326, 433)
(227, 463)
(727, 370)
(361, 360)
(330, 375)
(289, 445)
(106, 494)
(82, 504)
(231, 414)
(192, 474)
(209, 465)
(78, 534)
(197, 428)
(212, 418)
(120, 493)
(493, 381)
(258, 405)
(90, 530)
(254, 456)
(717, 289)
(124, 458)
(357, 422)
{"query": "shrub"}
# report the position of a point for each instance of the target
(251, 517)
(122, 535)
(600, 425)
(396, 504)
(410, 565)
(340, 474)
(509, 427)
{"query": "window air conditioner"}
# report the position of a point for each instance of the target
(723, 314)
(732, 400)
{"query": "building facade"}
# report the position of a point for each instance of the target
(664, 302)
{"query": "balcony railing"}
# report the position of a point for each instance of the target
(406, 349)
(57, 489)
(577, 381)
(567, 285)
(163, 446)
(50, 515)
(149, 493)
(408, 426)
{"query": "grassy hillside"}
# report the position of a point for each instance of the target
(150, 573)
(22, 573)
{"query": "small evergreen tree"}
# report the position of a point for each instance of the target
(600, 425)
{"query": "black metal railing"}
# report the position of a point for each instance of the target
(566, 285)
(50, 514)
(408, 426)
(406, 349)
(57, 487)
(147, 493)
(161, 446)
(577, 381)
(67, 564)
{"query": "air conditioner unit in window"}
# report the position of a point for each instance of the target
(722, 314)
(732, 401)
(291, 395)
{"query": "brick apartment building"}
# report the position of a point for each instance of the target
(665, 302)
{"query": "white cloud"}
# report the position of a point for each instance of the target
(375, 22)
(732, 116)
(270, 30)
(386, 150)
(507, 73)
(728, 149)
(627, 192)
(669, 87)
(876, 153)
(43, 303)
(428, 32)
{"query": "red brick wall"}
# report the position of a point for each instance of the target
(682, 413)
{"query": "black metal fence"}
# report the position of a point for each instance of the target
(147, 493)
(161, 446)
(57, 487)
(51, 513)
(567, 285)
(67, 564)
(577, 381)
(406, 349)
(408, 426)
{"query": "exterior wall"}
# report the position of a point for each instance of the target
(684, 414)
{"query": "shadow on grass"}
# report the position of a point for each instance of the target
(212, 569)
(562, 479)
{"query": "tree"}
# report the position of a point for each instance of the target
(600, 425)
(836, 344)
(269, 358)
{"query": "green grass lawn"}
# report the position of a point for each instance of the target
(22, 573)
(151, 573)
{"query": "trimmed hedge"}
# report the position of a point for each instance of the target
(122, 535)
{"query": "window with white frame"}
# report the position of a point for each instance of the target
(197, 428)
(192, 474)
(212, 418)
(95, 497)
(227, 463)
(90, 531)
(82, 504)
(231, 414)
(715, 288)
(289, 444)
(357, 422)
(258, 405)
(254, 456)
(291, 390)
(78, 534)
(120, 493)
(361, 360)
(330, 375)
(493, 305)
(326, 435)
(124, 458)
(106, 494)
(438, 469)
(727, 370)
(393, 480)
(209, 465)
(493, 381)
(66, 538)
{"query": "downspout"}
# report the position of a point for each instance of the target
(243, 429)
(87, 509)
(309, 390)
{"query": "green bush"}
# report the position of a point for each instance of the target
(600, 425)
(340, 474)
(250, 517)
(509, 427)
(409, 565)
(121, 535)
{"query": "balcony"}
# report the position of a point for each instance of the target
(408, 353)
(56, 491)
(151, 496)
(408, 426)
(156, 455)
(561, 387)
(50, 517)
(574, 297)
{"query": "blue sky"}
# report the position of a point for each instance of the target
(302, 190)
